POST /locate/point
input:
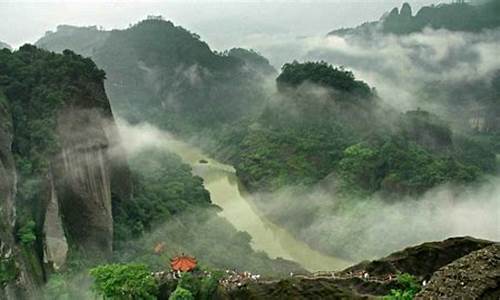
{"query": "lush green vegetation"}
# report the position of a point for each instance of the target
(409, 288)
(134, 281)
(165, 197)
(321, 122)
(299, 138)
(172, 207)
(196, 286)
(124, 282)
(163, 186)
(37, 83)
(325, 75)
(26, 233)
(304, 137)
(164, 74)
(181, 294)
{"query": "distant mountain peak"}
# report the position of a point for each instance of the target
(455, 16)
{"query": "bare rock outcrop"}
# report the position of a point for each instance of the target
(474, 276)
(423, 260)
(82, 177)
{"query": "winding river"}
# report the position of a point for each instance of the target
(226, 192)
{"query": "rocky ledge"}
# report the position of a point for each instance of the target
(474, 276)
(461, 268)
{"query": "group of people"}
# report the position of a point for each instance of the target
(237, 279)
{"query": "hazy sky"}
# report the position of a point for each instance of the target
(222, 24)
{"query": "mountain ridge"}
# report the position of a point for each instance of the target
(454, 17)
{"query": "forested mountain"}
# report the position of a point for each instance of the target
(469, 104)
(71, 196)
(165, 74)
(459, 16)
(336, 127)
(313, 125)
(318, 149)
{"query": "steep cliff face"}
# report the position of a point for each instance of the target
(82, 179)
(474, 276)
(58, 145)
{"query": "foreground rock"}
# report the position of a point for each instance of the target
(474, 276)
(420, 261)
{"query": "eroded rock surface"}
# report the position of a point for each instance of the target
(55, 242)
(82, 177)
(422, 260)
(474, 276)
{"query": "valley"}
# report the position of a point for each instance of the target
(138, 162)
(227, 192)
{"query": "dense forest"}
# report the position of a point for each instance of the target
(306, 137)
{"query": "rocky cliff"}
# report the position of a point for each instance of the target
(474, 276)
(57, 162)
(13, 273)
(458, 268)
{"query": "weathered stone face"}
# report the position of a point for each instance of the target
(474, 276)
(82, 180)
